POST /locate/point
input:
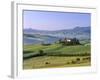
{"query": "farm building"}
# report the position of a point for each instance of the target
(69, 41)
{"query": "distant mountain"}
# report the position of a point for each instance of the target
(82, 29)
(65, 31)
(38, 36)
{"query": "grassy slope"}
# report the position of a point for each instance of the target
(40, 62)
(58, 48)
(55, 61)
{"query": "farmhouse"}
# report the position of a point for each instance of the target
(69, 41)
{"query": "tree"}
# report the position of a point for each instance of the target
(41, 52)
(75, 41)
(78, 59)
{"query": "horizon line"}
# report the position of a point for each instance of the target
(56, 29)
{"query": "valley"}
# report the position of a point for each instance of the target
(62, 48)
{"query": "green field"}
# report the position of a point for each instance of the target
(55, 55)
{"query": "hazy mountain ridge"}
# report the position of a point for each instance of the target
(38, 36)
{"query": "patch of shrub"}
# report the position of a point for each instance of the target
(47, 63)
(40, 53)
(78, 59)
(64, 54)
(87, 58)
(73, 62)
(68, 62)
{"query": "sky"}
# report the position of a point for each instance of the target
(48, 20)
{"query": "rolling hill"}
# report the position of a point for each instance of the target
(32, 36)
